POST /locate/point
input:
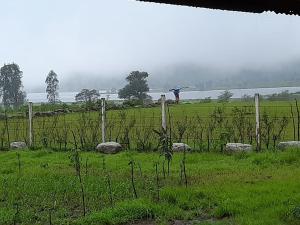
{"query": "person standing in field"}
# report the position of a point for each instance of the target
(176, 92)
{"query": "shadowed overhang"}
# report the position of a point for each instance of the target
(290, 7)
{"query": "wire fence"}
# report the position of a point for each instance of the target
(204, 127)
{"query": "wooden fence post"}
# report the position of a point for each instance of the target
(103, 119)
(30, 124)
(257, 117)
(163, 112)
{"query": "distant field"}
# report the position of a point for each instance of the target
(204, 126)
(41, 187)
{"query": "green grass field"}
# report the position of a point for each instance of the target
(242, 189)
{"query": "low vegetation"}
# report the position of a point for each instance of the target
(45, 187)
(204, 126)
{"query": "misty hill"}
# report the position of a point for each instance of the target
(196, 77)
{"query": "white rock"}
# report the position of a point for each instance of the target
(18, 145)
(238, 147)
(180, 147)
(288, 144)
(109, 147)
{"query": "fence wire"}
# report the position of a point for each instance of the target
(202, 126)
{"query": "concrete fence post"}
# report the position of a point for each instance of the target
(103, 119)
(30, 124)
(163, 112)
(257, 118)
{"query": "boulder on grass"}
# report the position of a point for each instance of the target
(109, 147)
(238, 147)
(18, 145)
(288, 144)
(180, 147)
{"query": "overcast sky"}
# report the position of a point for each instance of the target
(112, 37)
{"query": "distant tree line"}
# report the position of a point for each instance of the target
(12, 94)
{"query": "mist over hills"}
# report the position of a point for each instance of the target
(196, 77)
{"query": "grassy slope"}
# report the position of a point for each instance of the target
(244, 189)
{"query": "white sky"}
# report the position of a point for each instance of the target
(112, 37)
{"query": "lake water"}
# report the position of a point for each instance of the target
(185, 95)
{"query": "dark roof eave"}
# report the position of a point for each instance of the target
(290, 7)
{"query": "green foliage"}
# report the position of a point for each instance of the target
(225, 96)
(137, 86)
(283, 96)
(247, 98)
(11, 85)
(87, 96)
(52, 87)
(132, 102)
(206, 100)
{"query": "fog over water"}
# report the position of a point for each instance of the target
(69, 97)
(96, 43)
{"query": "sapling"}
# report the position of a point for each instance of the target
(7, 131)
(86, 167)
(199, 132)
(5, 190)
(163, 169)
(74, 139)
(65, 134)
(181, 173)
(293, 120)
(140, 169)
(16, 218)
(132, 163)
(279, 129)
(52, 208)
(184, 168)
(103, 164)
(165, 146)
(143, 135)
(181, 129)
(157, 181)
(2, 137)
(298, 121)
(19, 162)
(267, 126)
(77, 166)
(108, 180)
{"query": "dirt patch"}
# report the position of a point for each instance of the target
(181, 222)
(143, 222)
(197, 220)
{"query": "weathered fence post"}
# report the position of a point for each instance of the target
(103, 119)
(30, 124)
(163, 112)
(257, 128)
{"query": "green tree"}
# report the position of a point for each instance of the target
(87, 96)
(137, 86)
(225, 96)
(52, 87)
(11, 85)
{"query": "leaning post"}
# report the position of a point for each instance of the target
(30, 124)
(257, 127)
(103, 119)
(163, 113)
